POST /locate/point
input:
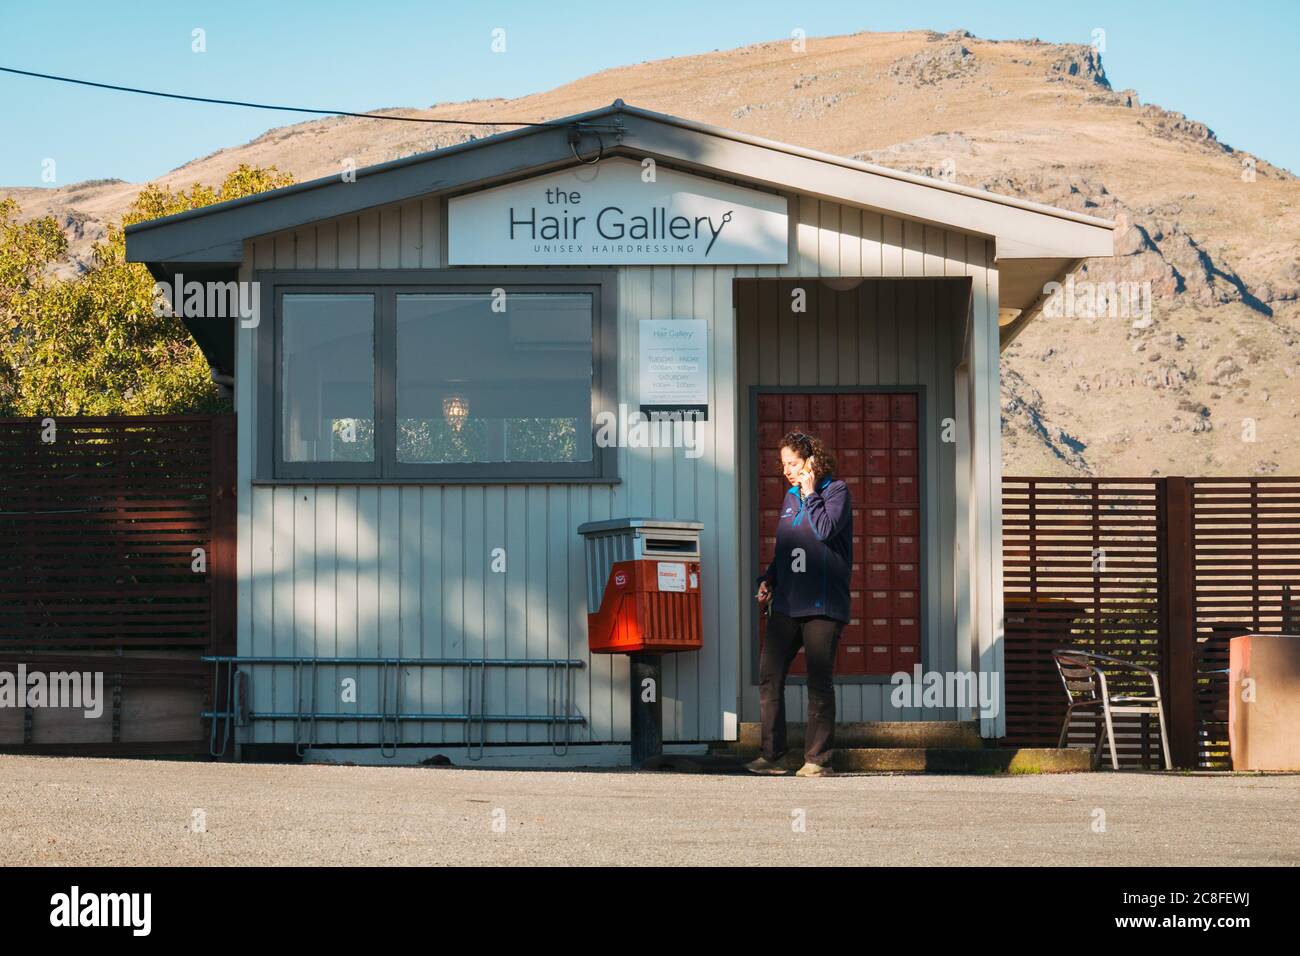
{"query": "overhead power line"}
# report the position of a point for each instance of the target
(286, 109)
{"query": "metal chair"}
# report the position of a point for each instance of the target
(1085, 686)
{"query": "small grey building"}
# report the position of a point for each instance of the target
(449, 369)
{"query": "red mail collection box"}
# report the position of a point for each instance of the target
(649, 606)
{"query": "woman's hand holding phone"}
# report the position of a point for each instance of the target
(807, 477)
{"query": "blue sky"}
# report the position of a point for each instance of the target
(1228, 65)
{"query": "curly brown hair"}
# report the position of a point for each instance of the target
(808, 446)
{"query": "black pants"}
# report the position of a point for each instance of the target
(820, 637)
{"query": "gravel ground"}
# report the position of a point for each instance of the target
(86, 811)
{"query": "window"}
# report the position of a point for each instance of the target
(483, 378)
(435, 376)
(327, 375)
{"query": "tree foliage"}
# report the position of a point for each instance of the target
(92, 345)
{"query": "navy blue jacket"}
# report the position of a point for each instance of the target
(821, 524)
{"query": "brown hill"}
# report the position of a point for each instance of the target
(1176, 393)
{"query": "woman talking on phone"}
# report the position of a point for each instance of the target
(806, 591)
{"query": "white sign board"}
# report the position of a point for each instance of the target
(616, 213)
(672, 577)
(674, 362)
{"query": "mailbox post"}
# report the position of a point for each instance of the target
(647, 714)
(643, 600)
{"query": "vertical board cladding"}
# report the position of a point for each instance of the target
(362, 570)
(340, 570)
(894, 334)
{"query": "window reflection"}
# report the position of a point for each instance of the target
(483, 378)
(327, 376)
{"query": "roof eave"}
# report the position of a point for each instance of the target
(1022, 229)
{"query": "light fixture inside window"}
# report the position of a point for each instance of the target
(456, 409)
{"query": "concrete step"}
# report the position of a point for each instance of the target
(964, 760)
(946, 734)
(905, 760)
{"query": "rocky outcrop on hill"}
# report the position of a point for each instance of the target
(1080, 62)
(934, 65)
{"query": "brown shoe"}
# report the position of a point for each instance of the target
(815, 770)
(764, 766)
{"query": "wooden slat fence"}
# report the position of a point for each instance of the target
(1081, 566)
(1245, 565)
(1158, 571)
(99, 521)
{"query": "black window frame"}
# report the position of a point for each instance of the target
(385, 285)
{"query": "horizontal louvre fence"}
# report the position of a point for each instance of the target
(1162, 572)
(1081, 566)
(100, 522)
(97, 529)
(1246, 569)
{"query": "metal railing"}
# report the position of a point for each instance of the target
(305, 714)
